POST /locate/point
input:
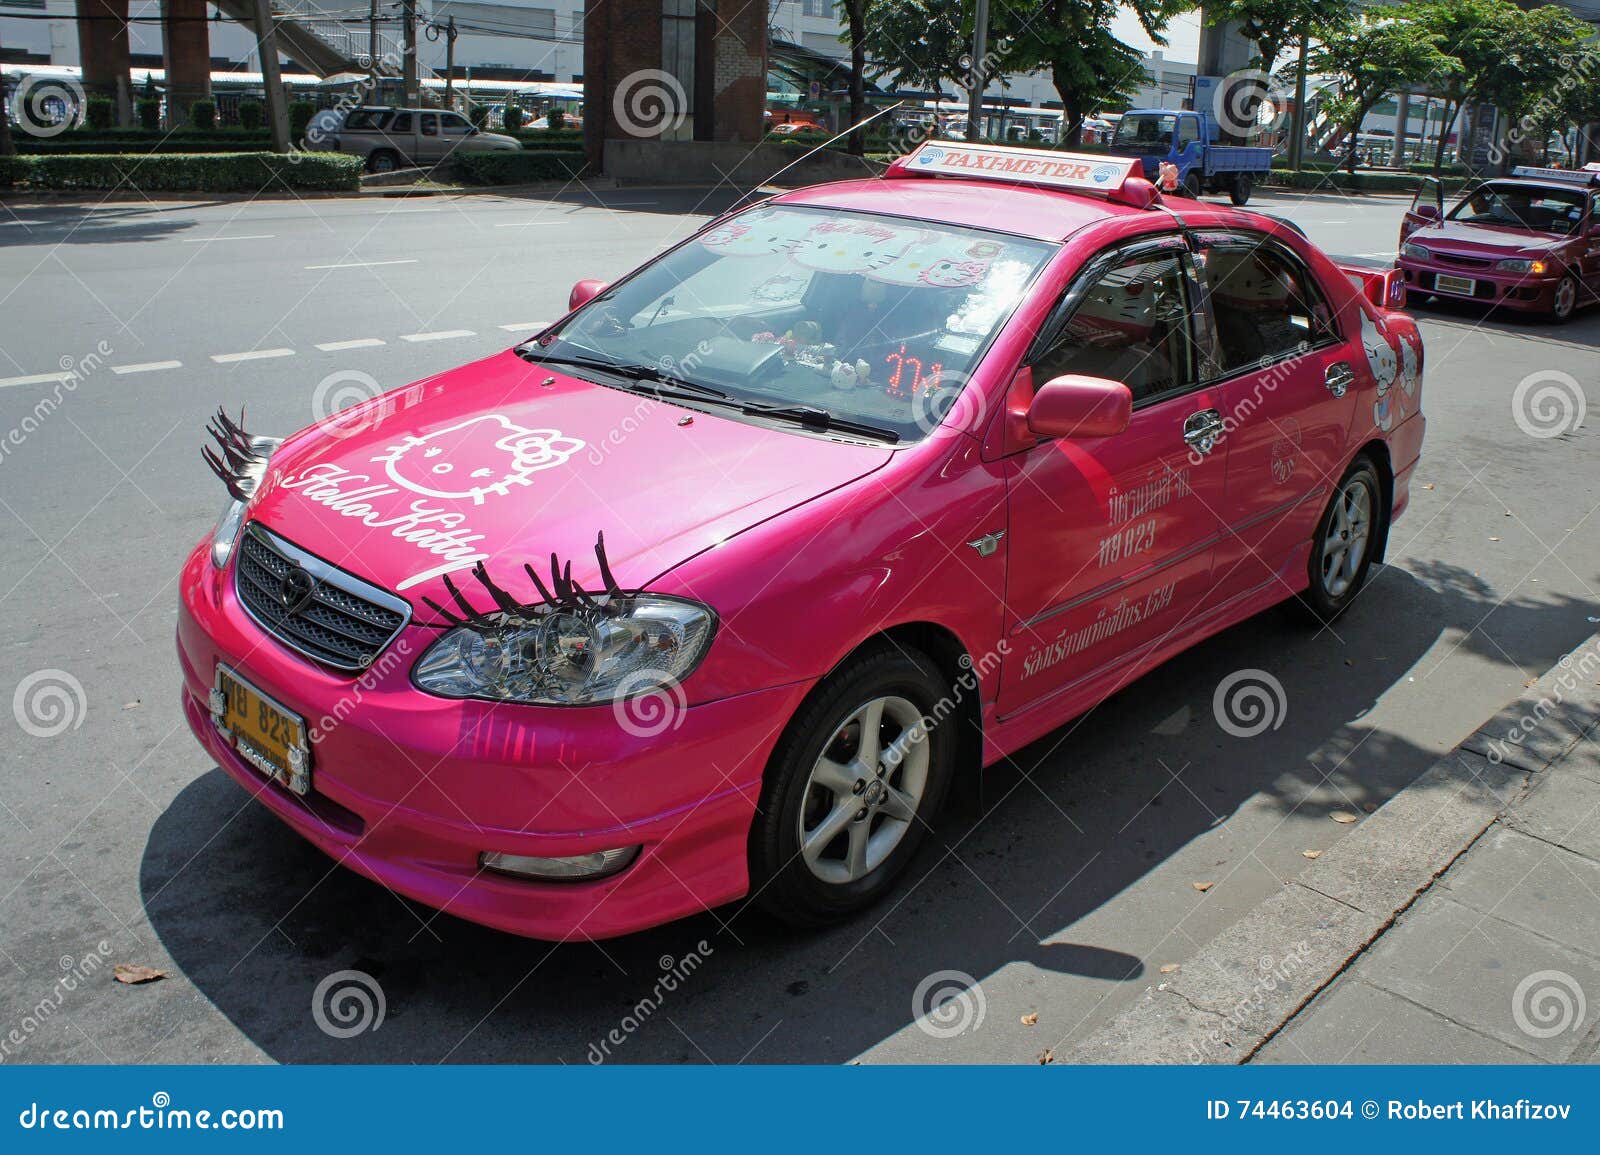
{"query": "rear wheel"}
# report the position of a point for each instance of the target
(851, 788)
(1191, 185)
(1240, 190)
(1342, 549)
(383, 160)
(1565, 302)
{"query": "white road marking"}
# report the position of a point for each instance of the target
(252, 355)
(525, 224)
(209, 240)
(147, 367)
(442, 335)
(36, 379)
(365, 264)
(525, 326)
(358, 343)
(385, 211)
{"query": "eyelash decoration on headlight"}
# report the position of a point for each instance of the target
(563, 594)
(240, 460)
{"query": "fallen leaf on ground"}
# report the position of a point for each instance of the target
(1311, 854)
(1428, 486)
(1369, 807)
(1030, 1020)
(1343, 816)
(133, 705)
(1169, 968)
(134, 974)
(1202, 887)
(1047, 1057)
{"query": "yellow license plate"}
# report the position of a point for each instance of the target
(1445, 283)
(266, 735)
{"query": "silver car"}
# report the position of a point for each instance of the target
(392, 138)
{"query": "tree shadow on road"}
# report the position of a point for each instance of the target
(1054, 869)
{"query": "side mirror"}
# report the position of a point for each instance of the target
(1427, 212)
(1075, 406)
(1594, 229)
(584, 292)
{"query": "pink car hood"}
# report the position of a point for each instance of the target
(1480, 240)
(487, 462)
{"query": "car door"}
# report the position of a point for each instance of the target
(401, 135)
(430, 144)
(1110, 540)
(1427, 207)
(1288, 389)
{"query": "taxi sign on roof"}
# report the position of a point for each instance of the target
(1024, 165)
(1565, 175)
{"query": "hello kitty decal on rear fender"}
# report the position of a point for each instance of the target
(1384, 364)
(475, 458)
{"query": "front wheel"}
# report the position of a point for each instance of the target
(384, 160)
(1342, 549)
(1191, 185)
(1239, 192)
(852, 787)
(1565, 301)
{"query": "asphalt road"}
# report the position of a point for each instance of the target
(1063, 891)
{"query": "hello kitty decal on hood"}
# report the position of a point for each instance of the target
(475, 458)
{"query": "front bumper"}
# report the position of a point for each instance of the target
(1524, 291)
(408, 789)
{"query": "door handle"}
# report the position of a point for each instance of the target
(1339, 378)
(1202, 429)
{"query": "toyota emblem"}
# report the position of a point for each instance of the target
(295, 589)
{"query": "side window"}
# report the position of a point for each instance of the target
(1265, 306)
(1132, 325)
(400, 123)
(1188, 130)
(455, 125)
(430, 124)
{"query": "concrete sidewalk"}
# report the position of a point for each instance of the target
(1499, 960)
(1460, 923)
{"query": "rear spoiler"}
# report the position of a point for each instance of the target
(1385, 288)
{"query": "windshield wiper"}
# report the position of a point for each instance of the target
(812, 415)
(650, 379)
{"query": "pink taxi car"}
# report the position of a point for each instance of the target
(713, 588)
(1529, 243)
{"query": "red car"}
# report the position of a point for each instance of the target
(714, 587)
(1529, 242)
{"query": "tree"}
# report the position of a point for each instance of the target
(855, 13)
(1273, 25)
(915, 44)
(1537, 75)
(1072, 41)
(1472, 32)
(1370, 56)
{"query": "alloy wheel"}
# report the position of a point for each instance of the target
(1344, 544)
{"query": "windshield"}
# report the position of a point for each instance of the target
(874, 320)
(1545, 210)
(1145, 132)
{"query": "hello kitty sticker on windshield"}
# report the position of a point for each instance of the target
(475, 458)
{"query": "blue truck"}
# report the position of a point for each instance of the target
(1193, 142)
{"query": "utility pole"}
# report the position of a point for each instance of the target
(271, 79)
(977, 76)
(409, 71)
(448, 31)
(372, 46)
(1297, 144)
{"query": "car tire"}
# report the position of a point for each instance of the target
(1564, 302)
(1346, 538)
(1239, 190)
(383, 160)
(1191, 185)
(801, 874)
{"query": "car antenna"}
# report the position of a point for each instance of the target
(810, 152)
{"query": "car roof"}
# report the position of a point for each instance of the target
(1532, 184)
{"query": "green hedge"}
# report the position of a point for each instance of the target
(184, 172)
(517, 167)
(1363, 181)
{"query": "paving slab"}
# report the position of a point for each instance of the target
(1563, 810)
(1532, 884)
(1360, 1023)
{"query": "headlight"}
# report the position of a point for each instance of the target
(572, 657)
(1415, 252)
(1519, 265)
(232, 516)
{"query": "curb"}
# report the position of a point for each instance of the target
(1244, 985)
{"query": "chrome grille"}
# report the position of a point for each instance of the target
(341, 622)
